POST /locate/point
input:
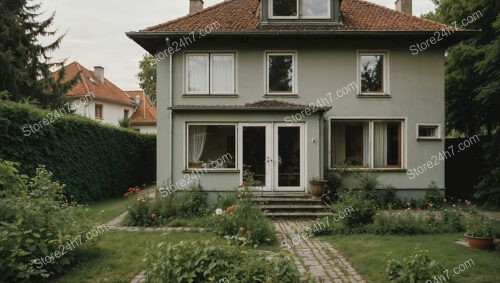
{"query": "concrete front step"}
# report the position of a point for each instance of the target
(293, 207)
(297, 215)
(282, 195)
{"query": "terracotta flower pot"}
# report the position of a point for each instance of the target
(317, 188)
(479, 243)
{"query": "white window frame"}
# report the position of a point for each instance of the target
(294, 70)
(209, 71)
(438, 131)
(186, 146)
(385, 71)
(299, 12)
(371, 121)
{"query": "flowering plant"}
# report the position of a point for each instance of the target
(478, 226)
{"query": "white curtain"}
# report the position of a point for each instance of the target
(197, 138)
(338, 143)
(366, 144)
(197, 73)
(222, 73)
(380, 143)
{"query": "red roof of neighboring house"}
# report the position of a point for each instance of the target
(244, 15)
(146, 112)
(88, 83)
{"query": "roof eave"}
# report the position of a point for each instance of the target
(242, 108)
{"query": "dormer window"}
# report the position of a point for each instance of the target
(299, 9)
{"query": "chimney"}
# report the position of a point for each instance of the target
(404, 6)
(99, 73)
(195, 6)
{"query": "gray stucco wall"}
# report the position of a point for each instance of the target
(416, 88)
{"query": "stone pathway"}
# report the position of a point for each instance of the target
(317, 257)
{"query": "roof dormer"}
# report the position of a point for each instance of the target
(300, 11)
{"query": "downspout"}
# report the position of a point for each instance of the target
(170, 104)
(321, 145)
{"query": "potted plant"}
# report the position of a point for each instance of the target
(317, 187)
(479, 232)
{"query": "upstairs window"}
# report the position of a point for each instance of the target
(372, 73)
(210, 73)
(304, 9)
(98, 111)
(280, 73)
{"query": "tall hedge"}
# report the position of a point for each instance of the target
(95, 161)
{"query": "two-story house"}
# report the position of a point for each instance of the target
(96, 97)
(291, 89)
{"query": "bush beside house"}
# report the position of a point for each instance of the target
(95, 161)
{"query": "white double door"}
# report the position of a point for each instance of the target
(275, 154)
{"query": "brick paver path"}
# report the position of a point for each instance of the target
(317, 257)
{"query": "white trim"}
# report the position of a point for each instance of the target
(186, 146)
(303, 164)
(370, 120)
(386, 79)
(268, 53)
(438, 131)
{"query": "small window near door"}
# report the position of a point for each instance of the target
(281, 73)
(125, 113)
(372, 73)
(98, 111)
(429, 132)
(211, 147)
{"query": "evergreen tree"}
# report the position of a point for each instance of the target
(25, 64)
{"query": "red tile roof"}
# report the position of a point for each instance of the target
(244, 16)
(88, 83)
(146, 112)
(262, 105)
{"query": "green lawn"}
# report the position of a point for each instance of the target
(107, 210)
(367, 253)
(118, 255)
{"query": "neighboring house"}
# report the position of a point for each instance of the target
(96, 97)
(144, 118)
(241, 94)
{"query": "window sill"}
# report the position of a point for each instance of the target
(277, 95)
(372, 95)
(210, 171)
(371, 169)
(210, 95)
(428, 139)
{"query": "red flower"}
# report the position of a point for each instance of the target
(130, 189)
(153, 215)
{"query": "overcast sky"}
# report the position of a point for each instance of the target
(96, 31)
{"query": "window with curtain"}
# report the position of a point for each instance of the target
(210, 73)
(387, 144)
(351, 144)
(211, 146)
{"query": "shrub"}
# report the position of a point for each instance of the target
(35, 222)
(433, 196)
(386, 197)
(157, 211)
(193, 261)
(364, 209)
(367, 184)
(244, 222)
(95, 161)
(419, 267)
(478, 225)
(407, 224)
